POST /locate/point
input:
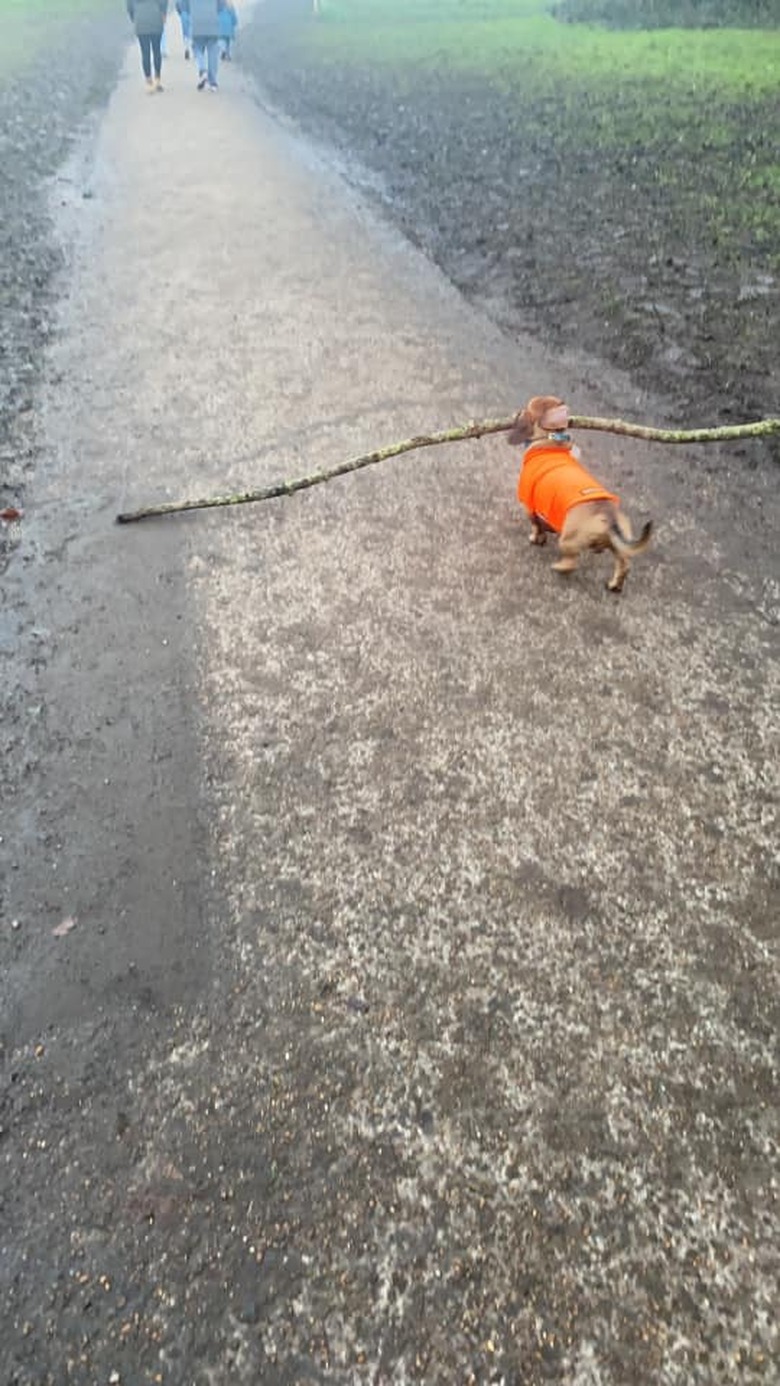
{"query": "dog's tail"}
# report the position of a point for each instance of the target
(629, 547)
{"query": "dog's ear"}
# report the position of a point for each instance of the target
(555, 416)
(523, 429)
(549, 412)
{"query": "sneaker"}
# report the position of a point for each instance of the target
(202, 79)
(213, 86)
(158, 86)
(186, 55)
(150, 86)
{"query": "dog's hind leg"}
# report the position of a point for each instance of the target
(623, 547)
(619, 572)
(570, 553)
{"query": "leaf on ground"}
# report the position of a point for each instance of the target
(64, 927)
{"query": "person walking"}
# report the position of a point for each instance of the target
(204, 21)
(186, 27)
(148, 17)
(228, 23)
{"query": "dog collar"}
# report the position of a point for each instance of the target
(559, 437)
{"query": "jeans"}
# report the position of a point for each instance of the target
(150, 48)
(206, 53)
(186, 28)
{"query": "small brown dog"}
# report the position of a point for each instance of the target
(563, 499)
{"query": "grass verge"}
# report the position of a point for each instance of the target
(38, 29)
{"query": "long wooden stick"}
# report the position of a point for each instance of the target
(764, 428)
(478, 429)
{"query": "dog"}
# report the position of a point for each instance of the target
(562, 498)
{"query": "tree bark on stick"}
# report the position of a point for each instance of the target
(764, 428)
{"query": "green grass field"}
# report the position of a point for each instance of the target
(36, 28)
(497, 37)
(46, 11)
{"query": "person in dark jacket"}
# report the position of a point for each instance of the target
(204, 20)
(148, 17)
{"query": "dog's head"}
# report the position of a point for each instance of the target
(542, 414)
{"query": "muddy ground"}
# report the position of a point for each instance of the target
(42, 109)
(630, 256)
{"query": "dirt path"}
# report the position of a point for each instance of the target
(419, 1020)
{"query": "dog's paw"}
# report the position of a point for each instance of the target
(615, 587)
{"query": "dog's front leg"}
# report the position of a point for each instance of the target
(538, 533)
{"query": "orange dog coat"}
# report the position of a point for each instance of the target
(553, 480)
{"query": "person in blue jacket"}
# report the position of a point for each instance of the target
(228, 23)
(204, 22)
(148, 18)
